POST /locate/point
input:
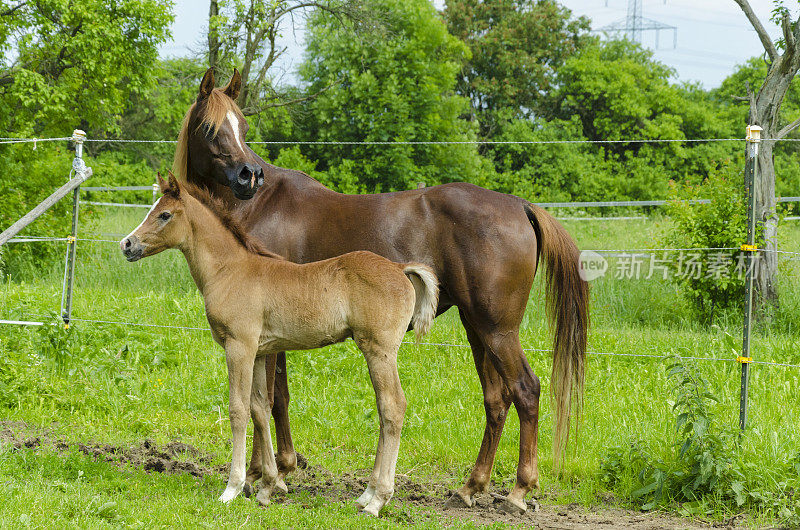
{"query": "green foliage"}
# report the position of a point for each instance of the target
(31, 176)
(712, 280)
(157, 112)
(76, 61)
(516, 49)
(28, 178)
(548, 172)
(703, 471)
(389, 85)
(733, 113)
(618, 92)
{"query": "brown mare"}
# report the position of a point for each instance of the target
(483, 246)
(258, 304)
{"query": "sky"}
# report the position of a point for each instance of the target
(713, 36)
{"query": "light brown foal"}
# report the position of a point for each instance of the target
(259, 304)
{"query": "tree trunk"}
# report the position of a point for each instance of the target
(765, 110)
(767, 222)
(213, 35)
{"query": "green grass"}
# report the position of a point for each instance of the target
(122, 384)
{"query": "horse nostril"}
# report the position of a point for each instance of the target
(127, 244)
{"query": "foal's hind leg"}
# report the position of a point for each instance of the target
(287, 457)
(277, 384)
(496, 402)
(372, 483)
(391, 403)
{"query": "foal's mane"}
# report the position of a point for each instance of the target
(218, 208)
(213, 114)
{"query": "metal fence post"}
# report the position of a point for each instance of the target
(751, 165)
(79, 167)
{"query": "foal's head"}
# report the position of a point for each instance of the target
(164, 227)
(211, 141)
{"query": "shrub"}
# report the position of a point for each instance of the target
(712, 280)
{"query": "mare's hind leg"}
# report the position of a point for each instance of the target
(496, 402)
(508, 358)
(278, 387)
(260, 406)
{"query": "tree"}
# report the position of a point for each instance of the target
(67, 61)
(244, 34)
(783, 62)
(157, 113)
(517, 46)
(734, 113)
(618, 92)
(394, 84)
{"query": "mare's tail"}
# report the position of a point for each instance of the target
(567, 301)
(426, 287)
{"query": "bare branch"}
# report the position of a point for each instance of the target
(249, 111)
(788, 36)
(766, 41)
(11, 10)
(786, 130)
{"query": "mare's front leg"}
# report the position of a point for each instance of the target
(240, 358)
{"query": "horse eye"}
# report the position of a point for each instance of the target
(165, 216)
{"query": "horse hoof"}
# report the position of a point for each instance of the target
(370, 512)
(263, 497)
(247, 490)
(458, 501)
(280, 486)
(506, 505)
(229, 494)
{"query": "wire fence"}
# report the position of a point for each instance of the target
(576, 205)
(43, 321)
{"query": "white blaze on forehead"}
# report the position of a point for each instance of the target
(143, 220)
(234, 119)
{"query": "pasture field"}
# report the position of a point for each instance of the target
(90, 415)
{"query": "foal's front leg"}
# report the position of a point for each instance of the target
(278, 401)
(240, 358)
(260, 406)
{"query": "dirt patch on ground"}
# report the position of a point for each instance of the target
(316, 481)
(174, 457)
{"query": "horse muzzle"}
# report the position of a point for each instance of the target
(248, 179)
(132, 248)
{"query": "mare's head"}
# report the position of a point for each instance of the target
(164, 227)
(211, 144)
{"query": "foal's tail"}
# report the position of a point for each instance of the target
(426, 287)
(567, 300)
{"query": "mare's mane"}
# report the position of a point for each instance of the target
(213, 113)
(220, 211)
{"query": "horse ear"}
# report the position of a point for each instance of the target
(207, 84)
(174, 188)
(162, 184)
(234, 85)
